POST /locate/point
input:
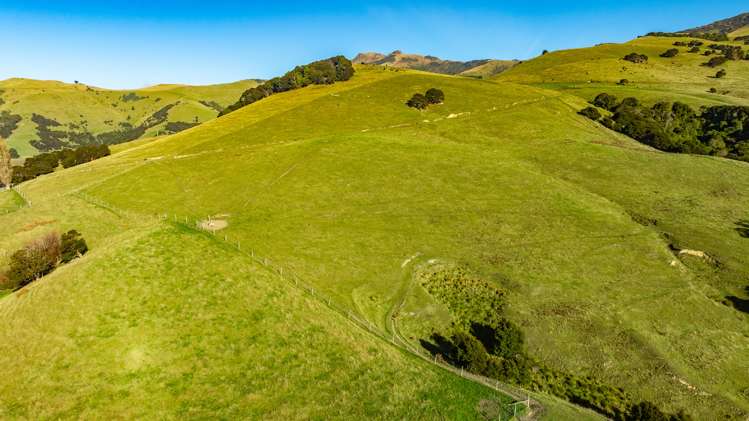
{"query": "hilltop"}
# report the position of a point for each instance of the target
(39, 116)
(400, 60)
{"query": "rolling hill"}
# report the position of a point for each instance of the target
(400, 60)
(348, 190)
(586, 72)
(73, 114)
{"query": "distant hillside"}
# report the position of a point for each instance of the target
(37, 116)
(724, 26)
(401, 60)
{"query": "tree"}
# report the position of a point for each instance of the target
(591, 112)
(435, 96)
(605, 101)
(636, 58)
(671, 52)
(418, 101)
(35, 260)
(72, 246)
(721, 74)
(6, 170)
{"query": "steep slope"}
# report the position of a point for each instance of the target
(587, 72)
(344, 186)
(81, 112)
(400, 60)
(723, 26)
(492, 68)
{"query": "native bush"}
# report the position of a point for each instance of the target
(605, 101)
(636, 58)
(418, 101)
(72, 245)
(715, 61)
(720, 74)
(591, 112)
(435, 96)
(322, 72)
(694, 50)
(671, 52)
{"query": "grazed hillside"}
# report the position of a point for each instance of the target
(723, 26)
(47, 115)
(347, 188)
(400, 60)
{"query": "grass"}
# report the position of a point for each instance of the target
(229, 340)
(582, 71)
(342, 184)
(103, 110)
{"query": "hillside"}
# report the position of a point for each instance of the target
(723, 26)
(586, 72)
(73, 114)
(400, 60)
(349, 190)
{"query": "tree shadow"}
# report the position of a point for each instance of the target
(441, 346)
(740, 304)
(742, 227)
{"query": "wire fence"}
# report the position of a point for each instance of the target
(523, 407)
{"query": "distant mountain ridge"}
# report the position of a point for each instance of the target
(723, 26)
(433, 64)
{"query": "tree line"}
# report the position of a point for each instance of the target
(322, 72)
(721, 130)
(47, 162)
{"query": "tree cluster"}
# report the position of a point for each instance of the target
(322, 72)
(675, 127)
(42, 256)
(636, 58)
(47, 162)
(8, 123)
(423, 101)
(709, 36)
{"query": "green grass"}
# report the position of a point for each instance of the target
(342, 184)
(226, 339)
(104, 109)
(582, 71)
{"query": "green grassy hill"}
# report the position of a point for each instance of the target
(350, 190)
(82, 108)
(587, 72)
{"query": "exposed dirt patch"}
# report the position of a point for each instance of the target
(213, 224)
(31, 226)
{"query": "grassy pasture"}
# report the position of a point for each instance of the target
(343, 184)
(102, 109)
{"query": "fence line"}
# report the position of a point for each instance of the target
(518, 394)
(521, 397)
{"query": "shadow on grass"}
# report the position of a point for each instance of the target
(742, 227)
(441, 346)
(740, 304)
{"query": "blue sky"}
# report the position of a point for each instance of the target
(130, 44)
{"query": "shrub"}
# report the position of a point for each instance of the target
(721, 74)
(623, 82)
(418, 101)
(694, 50)
(713, 91)
(636, 58)
(591, 112)
(671, 52)
(605, 101)
(502, 339)
(72, 245)
(715, 62)
(680, 44)
(435, 96)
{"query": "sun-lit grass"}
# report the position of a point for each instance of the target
(342, 184)
(104, 109)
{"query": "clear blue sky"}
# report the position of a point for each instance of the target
(129, 44)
